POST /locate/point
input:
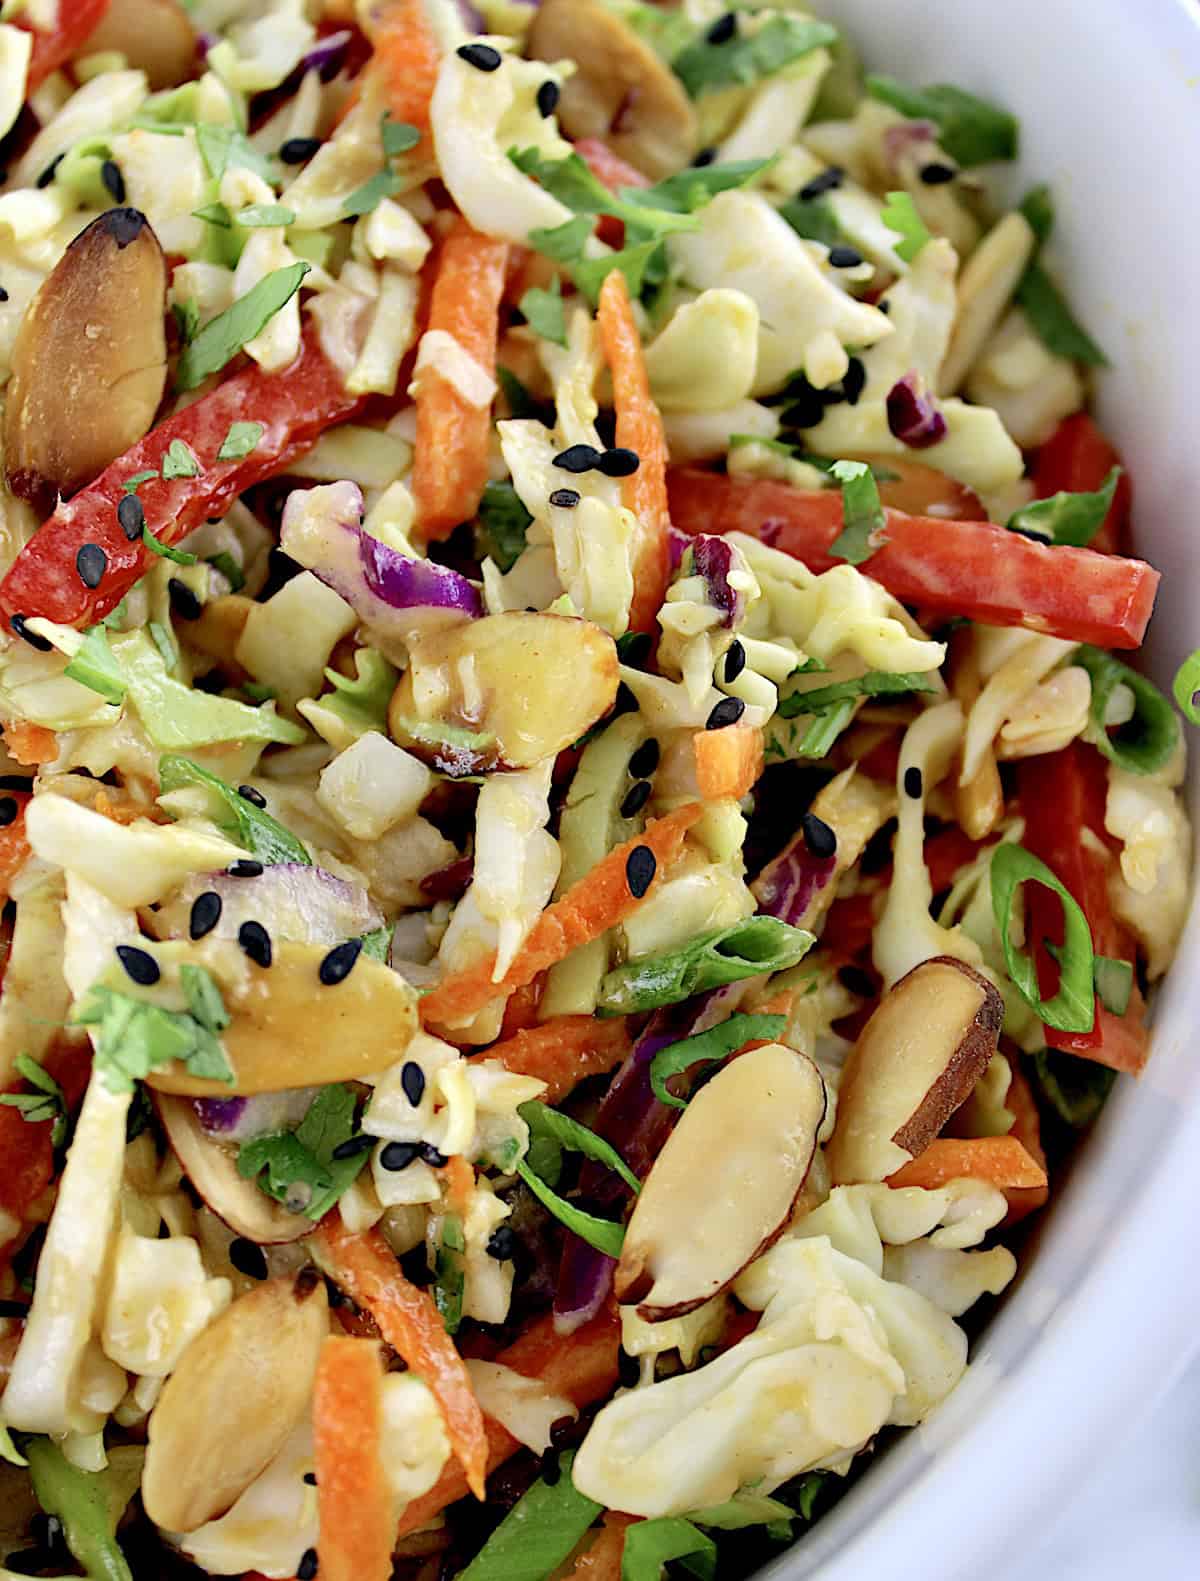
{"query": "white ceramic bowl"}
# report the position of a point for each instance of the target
(1106, 1310)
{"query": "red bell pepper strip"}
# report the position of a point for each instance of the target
(948, 567)
(77, 19)
(294, 407)
(1062, 797)
(1076, 459)
(26, 1151)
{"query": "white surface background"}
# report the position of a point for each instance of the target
(1139, 1513)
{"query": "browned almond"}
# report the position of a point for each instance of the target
(90, 360)
(155, 36)
(723, 1187)
(916, 1060)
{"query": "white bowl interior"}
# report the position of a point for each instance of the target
(1103, 1316)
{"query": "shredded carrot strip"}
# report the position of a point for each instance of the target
(1000, 1160)
(727, 761)
(14, 846)
(354, 1501)
(639, 428)
(602, 1560)
(406, 55)
(582, 1366)
(564, 1051)
(460, 1183)
(1027, 1129)
(30, 744)
(599, 901)
(451, 459)
(365, 1267)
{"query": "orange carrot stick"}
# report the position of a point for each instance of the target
(1027, 1129)
(459, 1180)
(582, 1366)
(366, 1269)
(1001, 1160)
(562, 1052)
(602, 1560)
(354, 1501)
(639, 428)
(406, 58)
(599, 901)
(727, 761)
(30, 744)
(14, 846)
(451, 460)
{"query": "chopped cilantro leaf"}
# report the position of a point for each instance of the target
(241, 440)
(502, 524)
(972, 131)
(899, 214)
(862, 513)
(300, 1168)
(747, 56)
(544, 312)
(179, 462)
(224, 336)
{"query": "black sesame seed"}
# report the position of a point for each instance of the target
(856, 378)
(828, 181)
(636, 798)
(430, 1155)
(139, 964)
(619, 462)
(91, 562)
(256, 942)
(626, 702)
(805, 413)
(353, 1146)
(645, 760)
(254, 797)
(339, 963)
(310, 1479)
(727, 712)
(14, 1309)
(567, 1432)
(398, 1155)
(412, 1079)
(578, 458)
(206, 913)
(845, 257)
(706, 156)
(20, 626)
(482, 56)
(640, 868)
(635, 649)
(547, 98)
(551, 1468)
(502, 1243)
(248, 1257)
(565, 499)
(114, 181)
(735, 661)
(3, 294)
(883, 306)
(131, 517)
(722, 29)
(914, 783)
(937, 174)
(245, 867)
(8, 811)
(818, 837)
(307, 1568)
(47, 175)
(298, 150)
(183, 601)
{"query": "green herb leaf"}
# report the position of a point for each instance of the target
(1068, 518)
(224, 336)
(745, 1509)
(398, 136)
(449, 1275)
(362, 703)
(366, 199)
(179, 462)
(46, 1102)
(1073, 1008)
(705, 1047)
(603, 1234)
(564, 243)
(572, 182)
(251, 826)
(643, 264)
(520, 402)
(1114, 983)
(224, 562)
(696, 185)
(748, 947)
(650, 1544)
(187, 318)
(87, 1503)
(544, 1156)
(241, 440)
(203, 997)
(165, 551)
(133, 1037)
(1038, 208)
(501, 525)
(378, 943)
(876, 683)
(863, 517)
(1146, 743)
(1186, 687)
(95, 666)
(132, 484)
(576, 1138)
(544, 311)
(972, 131)
(179, 718)
(538, 1533)
(214, 214)
(260, 215)
(163, 639)
(295, 1165)
(899, 214)
(222, 146)
(8, 1450)
(812, 218)
(744, 58)
(1052, 320)
(1075, 1089)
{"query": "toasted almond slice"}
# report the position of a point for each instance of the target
(722, 1188)
(621, 91)
(240, 1388)
(90, 360)
(155, 36)
(916, 1060)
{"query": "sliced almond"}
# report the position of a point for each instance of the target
(916, 1060)
(722, 1188)
(155, 36)
(523, 686)
(90, 360)
(240, 1388)
(621, 91)
(212, 1170)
